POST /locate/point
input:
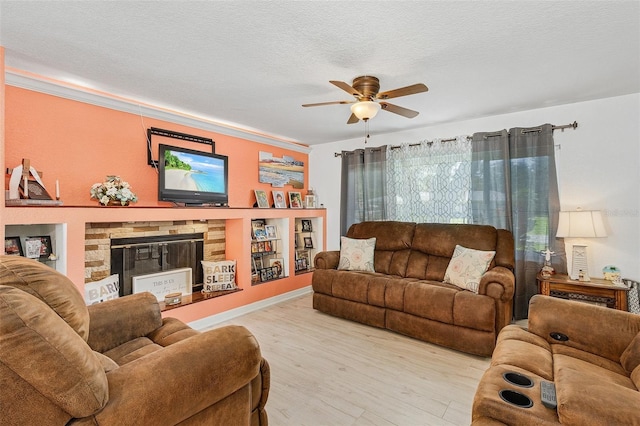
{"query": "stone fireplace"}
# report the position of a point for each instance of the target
(151, 247)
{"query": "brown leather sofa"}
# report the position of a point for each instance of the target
(590, 353)
(406, 292)
(118, 362)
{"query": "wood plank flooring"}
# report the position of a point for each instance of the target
(330, 371)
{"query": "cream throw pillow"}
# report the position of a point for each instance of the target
(467, 266)
(356, 255)
(219, 276)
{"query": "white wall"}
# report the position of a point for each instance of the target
(598, 169)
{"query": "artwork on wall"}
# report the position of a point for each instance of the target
(280, 171)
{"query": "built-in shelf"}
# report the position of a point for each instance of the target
(67, 226)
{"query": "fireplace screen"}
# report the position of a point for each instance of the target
(131, 257)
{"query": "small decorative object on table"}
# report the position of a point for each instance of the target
(173, 298)
(612, 273)
(547, 270)
(113, 192)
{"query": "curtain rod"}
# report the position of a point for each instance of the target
(573, 125)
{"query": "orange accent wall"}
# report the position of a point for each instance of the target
(79, 144)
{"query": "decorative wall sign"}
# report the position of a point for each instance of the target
(163, 283)
(280, 171)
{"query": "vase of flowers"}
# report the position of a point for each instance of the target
(113, 191)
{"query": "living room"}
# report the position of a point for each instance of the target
(75, 133)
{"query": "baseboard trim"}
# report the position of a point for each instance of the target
(210, 321)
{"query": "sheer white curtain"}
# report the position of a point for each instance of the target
(430, 181)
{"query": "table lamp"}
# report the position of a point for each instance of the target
(580, 224)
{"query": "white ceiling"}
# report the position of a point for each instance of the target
(253, 63)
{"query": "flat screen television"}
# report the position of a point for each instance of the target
(192, 177)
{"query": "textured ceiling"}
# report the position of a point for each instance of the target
(253, 63)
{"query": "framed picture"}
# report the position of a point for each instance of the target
(271, 232)
(310, 201)
(306, 225)
(32, 247)
(308, 242)
(257, 228)
(261, 198)
(295, 200)
(278, 200)
(278, 266)
(13, 246)
(45, 246)
(35, 191)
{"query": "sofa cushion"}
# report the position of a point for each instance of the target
(519, 348)
(45, 352)
(474, 311)
(600, 374)
(357, 255)
(430, 300)
(591, 358)
(48, 285)
(132, 350)
(467, 267)
(586, 398)
(393, 243)
(630, 358)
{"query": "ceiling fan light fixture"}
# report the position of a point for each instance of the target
(365, 110)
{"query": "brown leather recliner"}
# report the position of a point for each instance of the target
(118, 362)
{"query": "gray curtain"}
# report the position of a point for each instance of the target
(363, 186)
(514, 186)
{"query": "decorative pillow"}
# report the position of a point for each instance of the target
(219, 275)
(105, 289)
(356, 255)
(467, 267)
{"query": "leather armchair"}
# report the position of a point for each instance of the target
(118, 362)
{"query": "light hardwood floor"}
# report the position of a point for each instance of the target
(330, 371)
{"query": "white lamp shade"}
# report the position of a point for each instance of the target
(365, 110)
(581, 224)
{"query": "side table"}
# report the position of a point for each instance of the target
(597, 291)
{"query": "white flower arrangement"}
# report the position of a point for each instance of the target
(113, 189)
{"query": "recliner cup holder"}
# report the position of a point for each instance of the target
(517, 379)
(515, 398)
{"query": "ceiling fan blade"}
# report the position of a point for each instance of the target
(405, 112)
(347, 88)
(403, 91)
(353, 119)
(329, 103)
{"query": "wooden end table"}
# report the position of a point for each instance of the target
(598, 291)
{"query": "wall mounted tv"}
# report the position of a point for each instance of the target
(190, 177)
